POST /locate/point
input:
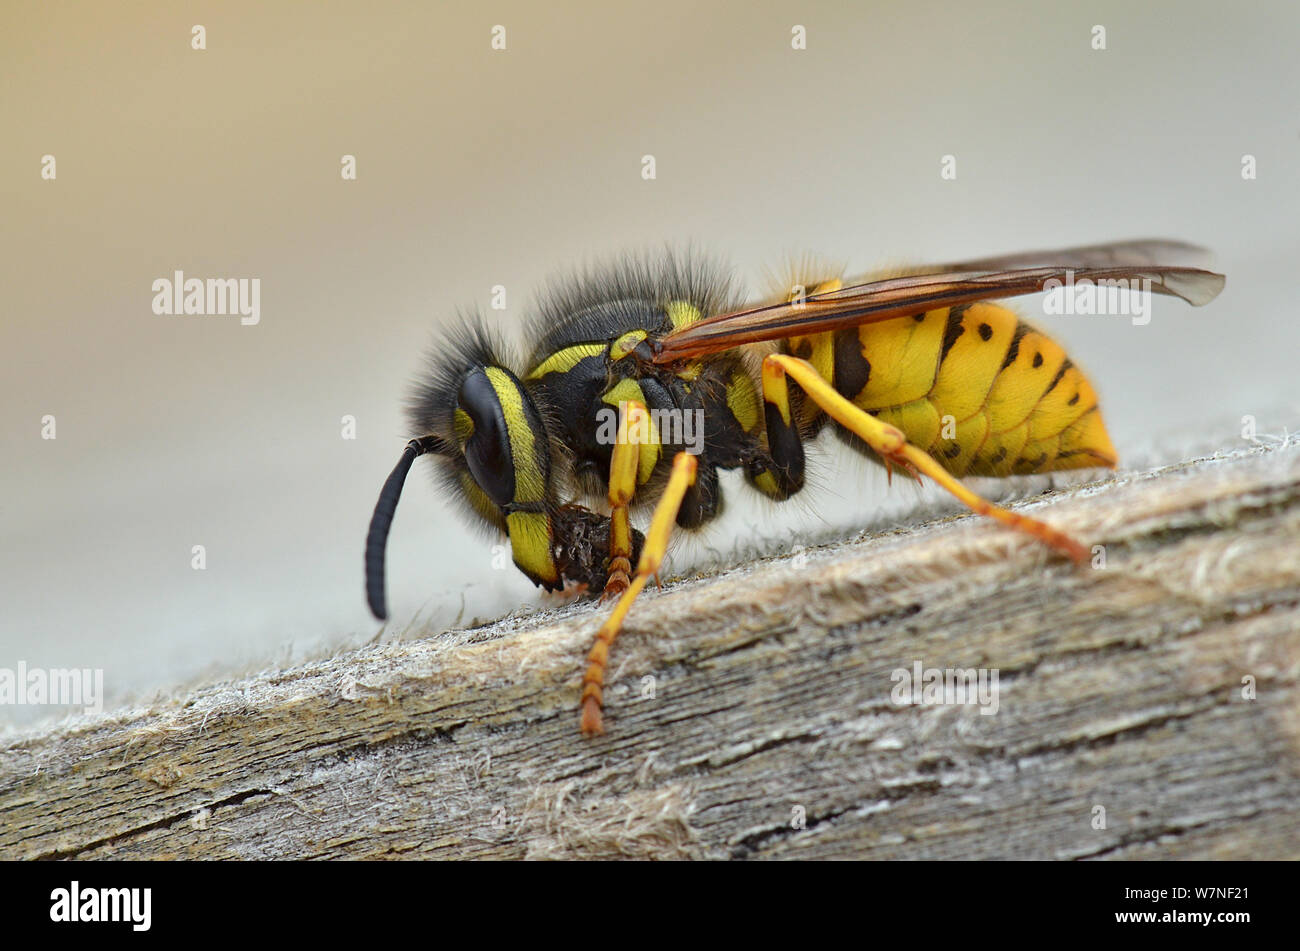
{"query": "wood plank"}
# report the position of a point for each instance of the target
(744, 700)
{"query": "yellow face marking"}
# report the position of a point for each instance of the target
(530, 544)
(529, 484)
(530, 532)
(626, 344)
(480, 501)
(463, 426)
(682, 314)
(562, 361)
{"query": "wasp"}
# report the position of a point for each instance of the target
(650, 376)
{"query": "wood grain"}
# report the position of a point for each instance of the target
(750, 712)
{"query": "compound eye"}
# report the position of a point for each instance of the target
(487, 451)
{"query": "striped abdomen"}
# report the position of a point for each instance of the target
(980, 390)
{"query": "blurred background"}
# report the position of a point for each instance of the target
(478, 167)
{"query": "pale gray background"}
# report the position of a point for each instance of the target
(479, 168)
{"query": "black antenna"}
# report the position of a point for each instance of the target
(377, 537)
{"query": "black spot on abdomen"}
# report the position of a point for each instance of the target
(953, 331)
(1013, 351)
(1057, 379)
(852, 369)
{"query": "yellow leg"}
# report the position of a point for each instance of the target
(623, 465)
(652, 556)
(891, 443)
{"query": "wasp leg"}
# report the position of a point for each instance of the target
(652, 555)
(784, 444)
(623, 464)
(890, 442)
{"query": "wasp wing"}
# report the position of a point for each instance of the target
(1146, 252)
(916, 293)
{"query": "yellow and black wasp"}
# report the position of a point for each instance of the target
(918, 371)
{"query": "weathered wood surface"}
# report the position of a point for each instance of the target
(1120, 688)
